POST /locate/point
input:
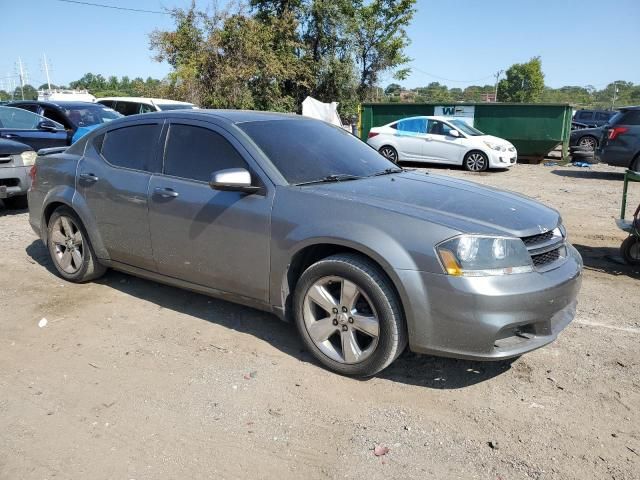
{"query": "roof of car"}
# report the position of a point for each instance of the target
(54, 103)
(632, 107)
(232, 116)
(163, 101)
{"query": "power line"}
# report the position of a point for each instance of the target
(114, 7)
(450, 79)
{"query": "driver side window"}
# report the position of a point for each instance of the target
(196, 152)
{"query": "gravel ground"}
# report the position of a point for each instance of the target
(134, 380)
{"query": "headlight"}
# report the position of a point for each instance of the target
(495, 146)
(28, 158)
(476, 256)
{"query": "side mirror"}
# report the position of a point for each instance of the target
(47, 126)
(454, 133)
(233, 180)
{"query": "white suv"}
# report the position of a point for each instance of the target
(441, 140)
(135, 105)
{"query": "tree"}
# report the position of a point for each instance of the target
(379, 39)
(524, 82)
(393, 89)
(28, 92)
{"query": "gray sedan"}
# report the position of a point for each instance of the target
(299, 218)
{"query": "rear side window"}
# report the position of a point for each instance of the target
(630, 117)
(412, 126)
(127, 108)
(196, 152)
(585, 115)
(602, 116)
(131, 147)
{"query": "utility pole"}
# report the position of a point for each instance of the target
(21, 75)
(498, 73)
(615, 94)
(46, 70)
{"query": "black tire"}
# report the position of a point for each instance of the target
(630, 250)
(16, 203)
(369, 278)
(588, 142)
(472, 161)
(88, 268)
(390, 153)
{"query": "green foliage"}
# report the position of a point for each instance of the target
(272, 57)
(524, 82)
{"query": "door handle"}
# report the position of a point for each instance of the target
(10, 135)
(89, 177)
(165, 192)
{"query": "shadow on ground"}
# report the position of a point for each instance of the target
(606, 260)
(460, 168)
(409, 368)
(4, 211)
(590, 174)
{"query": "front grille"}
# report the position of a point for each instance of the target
(9, 182)
(546, 258)
(540, 238)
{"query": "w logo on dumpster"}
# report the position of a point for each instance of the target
(448, 110)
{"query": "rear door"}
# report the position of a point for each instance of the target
(113, 177)
(25, 127)
(218, 239)
(411, 135)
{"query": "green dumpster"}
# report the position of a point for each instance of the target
(534, 128)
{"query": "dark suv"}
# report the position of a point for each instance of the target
(620, 145)
(593, 118)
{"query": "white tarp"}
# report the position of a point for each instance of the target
(322, 111)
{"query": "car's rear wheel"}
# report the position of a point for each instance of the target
(476, 161)
(630, 250)
(389, 153)
(588, 142)
(70, 249)
(349, 316)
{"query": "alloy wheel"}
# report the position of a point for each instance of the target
(588, 142)
(389, 153)
(476, 162)
(68, 245)
(341, 320)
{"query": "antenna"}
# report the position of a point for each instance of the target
(46, 70)
(22, 75)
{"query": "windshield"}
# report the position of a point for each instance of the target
(309, 150)
(22, 119)
(174, 106)
(466, 128)
(84, 116)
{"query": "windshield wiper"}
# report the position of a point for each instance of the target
(331, 179)
(388, 171)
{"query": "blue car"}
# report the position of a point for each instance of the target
(78, 118)
(31, 129)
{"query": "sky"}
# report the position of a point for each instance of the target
(457, 43)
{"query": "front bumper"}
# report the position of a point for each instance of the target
(490, 318)
(14, 181)
(506, 159)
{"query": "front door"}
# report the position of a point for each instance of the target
(23, 126)
(113, 178)
(441, 147)
(217, 239)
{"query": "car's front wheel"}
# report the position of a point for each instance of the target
(476, 161)
(630, 250)
(389, 153)
(349, 316)
(70, 249)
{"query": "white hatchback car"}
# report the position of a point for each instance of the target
(442, 140)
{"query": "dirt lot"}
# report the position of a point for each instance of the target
(133, 380)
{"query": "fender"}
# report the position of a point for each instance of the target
(71, 198)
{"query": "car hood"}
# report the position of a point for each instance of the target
(584, 131)
(458, 204)
(9, 147)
